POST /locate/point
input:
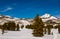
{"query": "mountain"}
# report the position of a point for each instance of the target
(47, 17)
(23, 21)
(6, 18)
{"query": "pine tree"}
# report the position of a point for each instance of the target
(17, 27)
(58, 28)
(12, 26)
(38, 24)
(45, 30)
(0, 26)
(22, 26)
(3, 28)
(49, 27)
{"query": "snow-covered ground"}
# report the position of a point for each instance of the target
(27, 34)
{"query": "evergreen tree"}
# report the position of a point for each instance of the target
(17, 27)
(0, 26)
(12, 26)
(38, 26)
(8, 25)
(55, 27)
(45, 30)
(30, 26)
(22, 26)
(49, 27)
(58, 28)
(3, 28)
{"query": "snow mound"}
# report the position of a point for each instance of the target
(24, 22)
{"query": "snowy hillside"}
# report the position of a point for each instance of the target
(24, 21)
(7, 18)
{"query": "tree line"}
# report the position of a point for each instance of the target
(11, 26)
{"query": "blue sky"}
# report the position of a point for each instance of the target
(29, 8)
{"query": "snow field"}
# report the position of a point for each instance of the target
(27, 34)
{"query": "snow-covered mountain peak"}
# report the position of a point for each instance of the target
(46, 15)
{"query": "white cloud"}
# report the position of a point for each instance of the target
(7, 9)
